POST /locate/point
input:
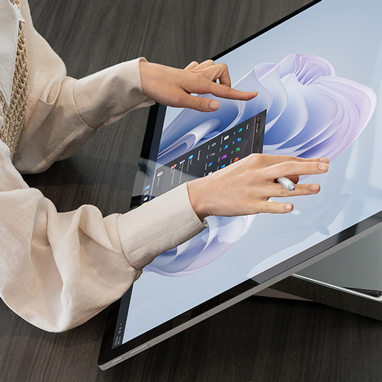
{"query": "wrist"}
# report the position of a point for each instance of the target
(143, 70)
(196, 195)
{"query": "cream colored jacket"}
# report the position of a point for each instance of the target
(57, 270)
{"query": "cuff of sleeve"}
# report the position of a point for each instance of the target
(106, 96)
(158, 226)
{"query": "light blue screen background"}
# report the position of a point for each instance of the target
(349, 35)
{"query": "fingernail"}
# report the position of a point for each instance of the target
(214, 105)
(255, 93)
(325, 160)
(288, 207)
(323, 166)
(314, 187)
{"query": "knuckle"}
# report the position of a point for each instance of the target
(255, 158)
(287, 167)
(176, 99)
(201, 103)
(255, 161)
(228, 92)
(268, 207)
(283, 192)
(193, 64)
(224, 66)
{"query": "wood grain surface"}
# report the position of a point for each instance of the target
(259, 339)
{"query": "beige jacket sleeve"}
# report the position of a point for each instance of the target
(57, 270)
(62, 112)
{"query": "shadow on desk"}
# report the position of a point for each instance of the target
(259, 339)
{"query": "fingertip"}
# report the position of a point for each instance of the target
(323, 166)
(214, 105)
(314, 188)
(288, 207)
(249, 95)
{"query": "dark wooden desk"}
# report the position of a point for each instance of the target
(258, 339)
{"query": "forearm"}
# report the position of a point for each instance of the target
(63, 113)
(60, 269)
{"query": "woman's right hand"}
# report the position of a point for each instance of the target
(244, 187)
(175, 87)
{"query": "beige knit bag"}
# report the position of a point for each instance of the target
(14, 115)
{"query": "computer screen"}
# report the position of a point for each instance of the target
(318, 75)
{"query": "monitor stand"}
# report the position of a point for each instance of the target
(350, 279)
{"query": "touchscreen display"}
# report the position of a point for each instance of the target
(218, 152)
(319, 77)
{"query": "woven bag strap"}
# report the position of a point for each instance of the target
(14, 114)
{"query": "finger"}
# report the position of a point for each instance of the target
(199, 103)
(278, 191)
(301, 189)
(305, 168)
(318, 159)
(294, 168)
(270, 160)
(272, 207)
(222, 91)
(205, 64)
(191, 65)
(213, 72)
(293, 178)
(220, 72)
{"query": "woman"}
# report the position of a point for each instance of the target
(60, 269)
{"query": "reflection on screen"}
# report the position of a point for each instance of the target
(215, 154)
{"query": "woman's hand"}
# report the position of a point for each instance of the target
(244, 187)
(173, 87)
